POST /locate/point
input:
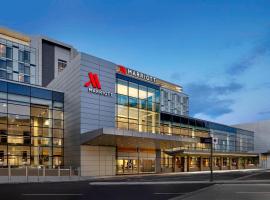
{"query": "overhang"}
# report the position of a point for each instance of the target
(207, 153)
(126, 138)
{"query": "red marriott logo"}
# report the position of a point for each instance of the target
(93, 80)
(96, 87)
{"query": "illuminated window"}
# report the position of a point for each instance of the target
(122, 87)
(2, 50)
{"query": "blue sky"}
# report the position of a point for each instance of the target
(219, 51)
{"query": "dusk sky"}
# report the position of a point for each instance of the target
(219, 51)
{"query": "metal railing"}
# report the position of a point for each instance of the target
(38, 173)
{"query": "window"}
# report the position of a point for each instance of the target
(9, 52)
(21, 56)
(3, 74)
(26, 56)
(27, 70)
(2, 50)
(122, 87)
(21, 68)
(3, 64)
(61, 65)
(26, 79)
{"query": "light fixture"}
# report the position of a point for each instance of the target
(46, 122)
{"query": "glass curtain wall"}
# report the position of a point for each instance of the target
(137, 107)
(17, 62)
(31, 126)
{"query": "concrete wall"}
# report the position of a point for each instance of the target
(261, 134)
(98, 161)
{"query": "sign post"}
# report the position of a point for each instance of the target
(209, 140)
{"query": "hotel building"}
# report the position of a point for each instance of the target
(102, 117)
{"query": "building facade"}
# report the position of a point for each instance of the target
(117, 120)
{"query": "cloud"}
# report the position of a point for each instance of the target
(249, 60)
(264, 112)
(211, 100)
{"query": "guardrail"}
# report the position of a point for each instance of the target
(38, 172)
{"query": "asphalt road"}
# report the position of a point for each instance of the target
(233, 192)
(109, 191)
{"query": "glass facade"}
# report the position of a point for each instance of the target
(31, 126)
(174, 103)
(137, 106)
(17, 62)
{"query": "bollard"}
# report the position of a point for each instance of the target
(9, 173)
(26, 173)
(59, 171)
(44, 171)
(38, 172)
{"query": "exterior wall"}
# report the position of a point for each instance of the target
(98, 161)
(97, 111)
(60, 54)
(69, 83)
(261, 136)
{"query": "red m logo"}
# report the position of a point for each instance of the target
(122, 69)
(93, 79)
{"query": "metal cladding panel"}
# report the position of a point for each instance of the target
(95, 107)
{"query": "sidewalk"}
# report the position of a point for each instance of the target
(117, 179)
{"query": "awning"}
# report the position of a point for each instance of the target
(126, 138)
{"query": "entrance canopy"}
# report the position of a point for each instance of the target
(134, 139)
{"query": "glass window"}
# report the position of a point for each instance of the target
(61, 65)
(41, 93)
(122, 87)
(18, 120)
(26, 79)
(3, 106)
(133, 102)
(3, 118)
(9, 52)
(58, 123)
(122, 111)
(40, 111)
(151, 95)
(3, 64)
(2, 50)
(58, 96)
(58, 133)
(41, 102)
(3, 74)
(142, 104)
(122, 99)
(18, 89)
(19, 130)
(133, 90)
(21, 68)
(133, 114)
(142, 92)
(18, 99)
(18, 109)
(58, 114)
(21, 56)
(26, 56)
(27, 70)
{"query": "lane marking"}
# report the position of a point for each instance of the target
(252, 192)
(158, 193)
(52, 194)
(148, 183)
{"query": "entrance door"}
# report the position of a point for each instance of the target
(127, 166)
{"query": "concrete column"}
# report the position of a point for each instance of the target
(201, 163)
(173, 163)
(158, 161)
(185, 164)
(221, 163)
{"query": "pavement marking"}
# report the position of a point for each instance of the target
(52, 194)
(252, 192)
(178, 193)
(250, 175)
(148, 183)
